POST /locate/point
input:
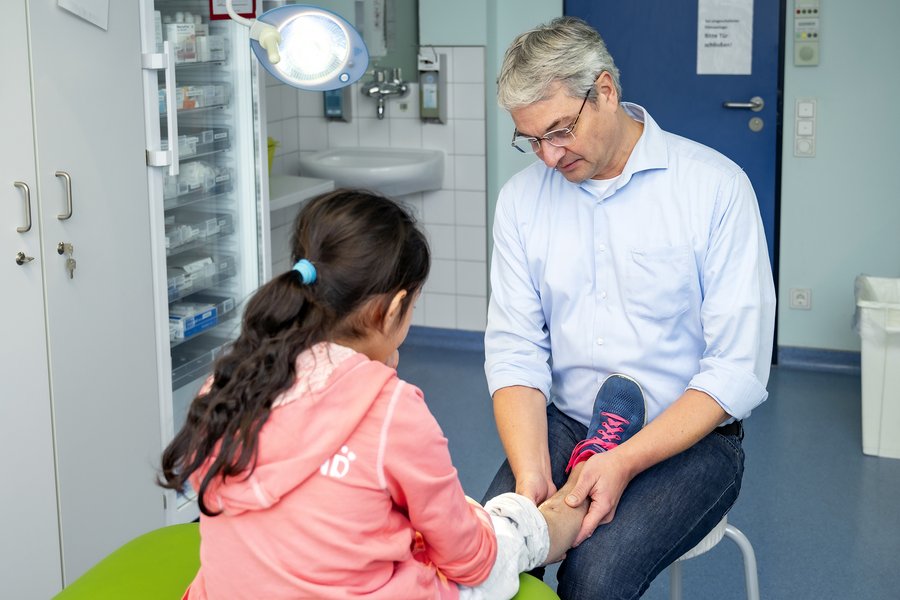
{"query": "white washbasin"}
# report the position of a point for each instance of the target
(390, 171)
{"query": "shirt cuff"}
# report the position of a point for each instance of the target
(737, 390)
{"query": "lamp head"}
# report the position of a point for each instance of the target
(309, 47)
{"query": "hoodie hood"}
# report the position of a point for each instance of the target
(307, 426)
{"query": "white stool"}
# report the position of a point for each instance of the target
(706, 544)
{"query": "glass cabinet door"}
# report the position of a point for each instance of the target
(211, 207)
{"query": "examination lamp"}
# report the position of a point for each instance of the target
(306, 47)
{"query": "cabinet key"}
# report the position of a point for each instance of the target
(65, 248)
(70, 267)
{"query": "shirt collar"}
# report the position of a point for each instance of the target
(650, 152)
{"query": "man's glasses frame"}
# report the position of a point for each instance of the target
(558, 137)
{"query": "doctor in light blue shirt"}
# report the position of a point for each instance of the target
(625, 249)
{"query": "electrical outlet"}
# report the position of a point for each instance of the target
(801, 298)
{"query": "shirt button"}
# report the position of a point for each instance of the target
(603, 295)
(600, 341)
(602, 247)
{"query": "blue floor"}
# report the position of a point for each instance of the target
(823, 518)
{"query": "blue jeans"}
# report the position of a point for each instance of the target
(664, 512)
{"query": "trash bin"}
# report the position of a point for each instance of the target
(877, 320)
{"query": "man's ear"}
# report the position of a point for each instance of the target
(606, 89)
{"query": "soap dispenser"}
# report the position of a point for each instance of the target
(338, 104)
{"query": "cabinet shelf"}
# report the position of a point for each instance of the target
(194, 358)
(192, 197)
(221, 309)
(181, 285)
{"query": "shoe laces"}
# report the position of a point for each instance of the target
(609, 431)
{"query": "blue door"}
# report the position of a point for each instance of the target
(654, 44)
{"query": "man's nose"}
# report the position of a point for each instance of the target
(550, 154)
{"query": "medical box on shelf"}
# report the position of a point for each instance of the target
(187, 319)
(878, 323)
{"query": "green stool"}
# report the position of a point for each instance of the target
(162, 563)
(155, 566)
(532, 588)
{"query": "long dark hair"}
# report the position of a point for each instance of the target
(365, 249)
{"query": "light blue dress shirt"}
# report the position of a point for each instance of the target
(662, 274)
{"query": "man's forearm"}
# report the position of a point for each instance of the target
(521, 416)
(694, 415)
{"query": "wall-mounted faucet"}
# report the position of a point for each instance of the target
(381, 87)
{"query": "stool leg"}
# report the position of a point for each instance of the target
(750, 573)
(675, 580)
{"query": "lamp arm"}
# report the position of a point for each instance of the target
(237, 17)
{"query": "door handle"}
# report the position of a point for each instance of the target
(68, 214)
(24, 187)
(756, 104)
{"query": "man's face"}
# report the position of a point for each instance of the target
(595, 152)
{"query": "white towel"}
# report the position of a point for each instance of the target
(523, 543)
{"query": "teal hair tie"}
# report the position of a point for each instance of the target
(307, 271)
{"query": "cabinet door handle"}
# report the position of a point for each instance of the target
(24, 187)
(68, 214)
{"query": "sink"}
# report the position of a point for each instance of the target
(389, 171)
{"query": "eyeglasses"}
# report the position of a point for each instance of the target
(558, 137)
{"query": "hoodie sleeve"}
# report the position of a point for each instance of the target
(458, 535)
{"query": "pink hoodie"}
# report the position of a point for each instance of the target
(351, 465)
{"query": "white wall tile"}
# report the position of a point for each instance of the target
(470, 173)
(273, 104)
(471, 313)
(405, 133)
(471, 208)
(468, 64)
(310, 104)
(471, 243)
(406, 107)
(468, 136)
(313, 133)
(374, 133)
(288, 101)
(418, 317)
(471, 277)
(468, 101)
(441, 310)
(290, 131)
(442, 279)
(442, 239)
(439, 207)
(342, 135)
(449, 182)
(438, 136)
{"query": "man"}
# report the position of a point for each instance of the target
(624, 250)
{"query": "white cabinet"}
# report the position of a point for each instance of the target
(79, 410)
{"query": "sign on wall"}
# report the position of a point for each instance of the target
(724, 37)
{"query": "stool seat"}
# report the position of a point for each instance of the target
(163, 562)
(721, 530)
(158, 564)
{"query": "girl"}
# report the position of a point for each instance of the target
(321, 474)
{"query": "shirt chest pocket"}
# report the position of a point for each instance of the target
(658, 281)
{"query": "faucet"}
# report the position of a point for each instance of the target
(381, 88)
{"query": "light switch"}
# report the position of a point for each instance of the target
(805, 132)
(806, 108)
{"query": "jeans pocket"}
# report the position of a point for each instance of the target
(658, 282)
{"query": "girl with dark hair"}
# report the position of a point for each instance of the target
(319, 473)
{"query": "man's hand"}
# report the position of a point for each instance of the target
(603, 480)
(535, 486)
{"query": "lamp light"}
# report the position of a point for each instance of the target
(306, 47)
